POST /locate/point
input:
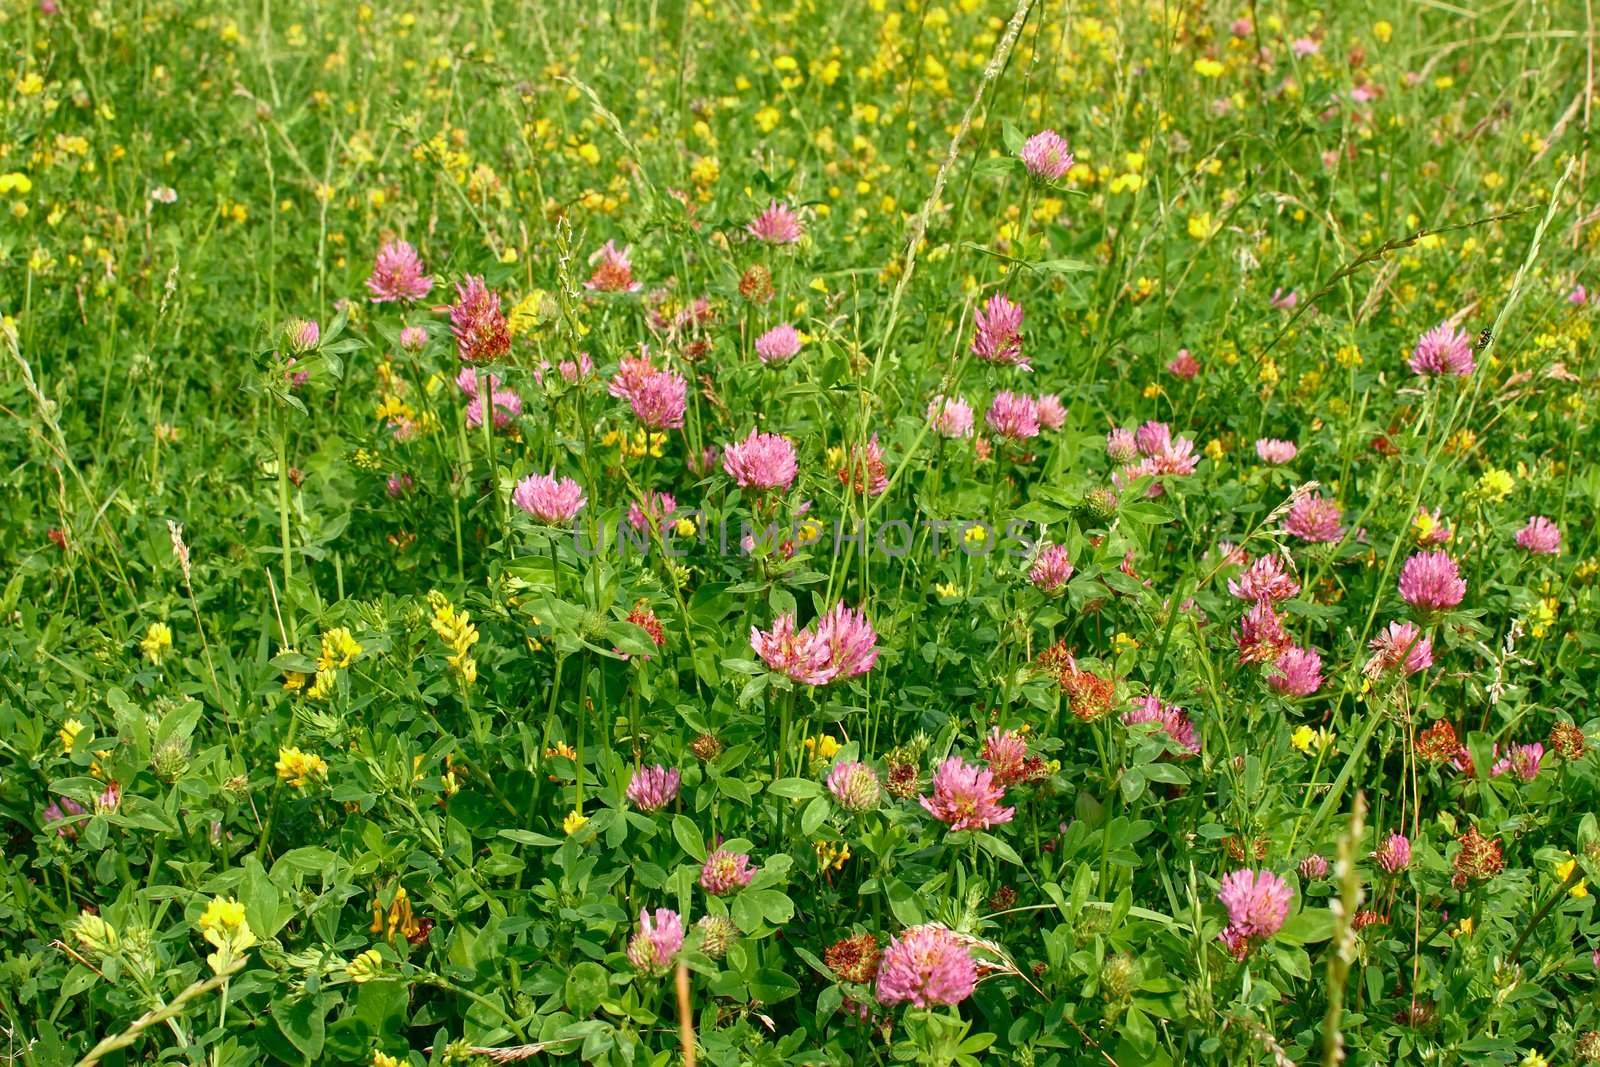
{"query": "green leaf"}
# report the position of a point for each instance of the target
(1167, 773)
(689, 837)
(302, 1022)
(903, 902)
(998, 848)
(795, 788)
(528, 837)
(816, 814)
(1063, 266)
(1308, 927)
(771, 986)
(585, 989)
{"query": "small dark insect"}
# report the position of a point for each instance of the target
(1484, 338)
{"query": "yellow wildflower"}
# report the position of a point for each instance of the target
(1564, 870)
(300, 768)
(322, 687)
(398, 920)
(157, 642)
(459, 635)
(339, 649)
(365, 967)
(575, 821)
(222, 915)
(69, 733)
(1495, 485)
(822, 748)
(830, 857)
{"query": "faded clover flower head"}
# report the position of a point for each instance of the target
(1402, 647)
(478, 324)
(613, 271)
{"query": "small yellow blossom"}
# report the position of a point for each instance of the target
(1564, 870)
(69, 734)
(300, 768)
(459, 635)
(1202, 226)
(16, 182)
(323, 685)
(398, 921)
(365, 967)
(822, 748)
(222, 915)
(830, 857)
(575, 821)
(1309, 741)
(1382, 30)
(1495, 484)
(1208, 68)
(339, 649)
(157, 642)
